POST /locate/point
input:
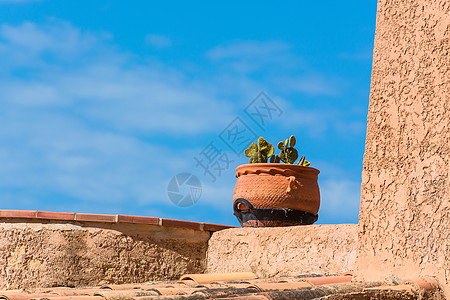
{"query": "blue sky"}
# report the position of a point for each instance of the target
(103, 102)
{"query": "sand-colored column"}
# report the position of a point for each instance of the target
(405, 197)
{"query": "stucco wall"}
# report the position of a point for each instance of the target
(284, 251)
(405, 209)
(52, 253)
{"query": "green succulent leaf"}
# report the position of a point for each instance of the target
(262, 143)
(258, 157)
(270, 151)
(293, 155)
(275, 159)
(292, 141)
(289, 155)
(261, 151)
(280, 145)
(301, 161)
(265, 147)
(251, 150)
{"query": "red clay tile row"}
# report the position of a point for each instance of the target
(83, 217)
(228, 286)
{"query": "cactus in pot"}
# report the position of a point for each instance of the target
(259, 153)
(288, 154)
(303, 162)
(275, 193)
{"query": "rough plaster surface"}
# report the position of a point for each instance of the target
(54, 254)
(284, 251)
(405, 209)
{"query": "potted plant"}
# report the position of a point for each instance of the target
(269, 194)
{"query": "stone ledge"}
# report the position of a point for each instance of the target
(284, 251)
(105, 218)
(36, 252)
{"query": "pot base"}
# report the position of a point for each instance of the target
(270, 217)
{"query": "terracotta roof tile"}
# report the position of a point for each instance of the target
(423, 283)
(222, 292)
(24, 295)
(137, 220)
(253, 296)
(126, 294)
(176, 291)
(95, 218)
(328, 280)
(215, 227)
(5, 213)
(181, 224)
(51, 215)
(149, 287)
(213, 277)
(66, 292)
(225, 286)
(281, 286)
(227, 277)
(126, 286)
(102, 218)
(401, 287)
(72, 298)
(62, 289)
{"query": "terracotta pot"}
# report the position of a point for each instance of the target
(271, 194)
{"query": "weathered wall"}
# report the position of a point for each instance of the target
(284, 251)
(49, 253)
(405, 209)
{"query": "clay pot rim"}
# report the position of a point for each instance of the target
(275, 168)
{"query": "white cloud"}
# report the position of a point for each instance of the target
(318, 122)
(275, 64)
(311, 84)
(350, 128)
(245, 57)
(58, 37)
(73, 125)
(340, 200)
(248, 49)
(105, 88)
(61, 154)
(158, 41)
(360, 55)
